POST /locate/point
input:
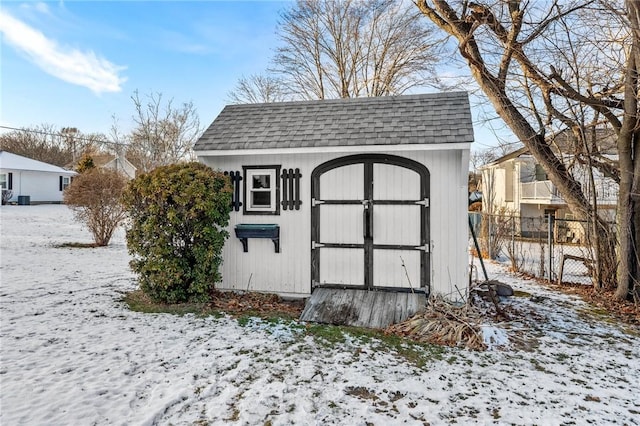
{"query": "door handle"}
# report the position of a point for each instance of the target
(366, 220)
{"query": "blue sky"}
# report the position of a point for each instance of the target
(76, 64)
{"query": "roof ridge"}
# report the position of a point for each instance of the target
(357, 99)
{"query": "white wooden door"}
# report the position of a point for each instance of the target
(370, 223)
(341, 226)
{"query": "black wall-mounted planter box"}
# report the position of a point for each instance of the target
(244, 231)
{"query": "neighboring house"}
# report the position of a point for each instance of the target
(362, 193)
(516, 184)
(113, 162)
(32, 181)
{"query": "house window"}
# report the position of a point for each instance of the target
(262, 190)
(541, 175)
(65, 181)
(3, 181)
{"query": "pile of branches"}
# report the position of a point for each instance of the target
(443, 323)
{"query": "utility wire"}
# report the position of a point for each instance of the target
(62, 135)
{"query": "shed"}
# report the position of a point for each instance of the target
(357, 194)
(30, 181)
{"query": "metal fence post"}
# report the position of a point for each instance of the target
(550, 243)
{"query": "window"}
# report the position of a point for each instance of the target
(262, 190)
(65, 181)
(3, 181)
(541, 175)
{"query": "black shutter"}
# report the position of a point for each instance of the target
(285, 192)
(10, 183)
(291, 189)
(235, 177)
(60, 183)
(296, 185)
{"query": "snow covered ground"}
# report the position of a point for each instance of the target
(71, 353)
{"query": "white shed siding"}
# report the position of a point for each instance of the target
(289, 272)
(261, 268)
(448, 222)
(122, 166)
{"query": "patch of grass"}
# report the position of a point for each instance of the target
(418, 354)
(361, 393)
(537, 365)
(329, 336)
(595, 312)
(76, 245)
(495, 413)
(244, 320)
(235, 415)
(138, 301)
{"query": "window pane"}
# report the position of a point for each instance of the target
(3, 181)
(261, 181)
(261, 199)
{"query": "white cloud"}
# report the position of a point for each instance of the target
(66, 63)
(42, 7)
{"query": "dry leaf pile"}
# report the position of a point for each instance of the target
(444, 324)
(251, 302)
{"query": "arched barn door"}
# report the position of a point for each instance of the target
(370, 223)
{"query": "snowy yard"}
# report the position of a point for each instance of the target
(72, 353)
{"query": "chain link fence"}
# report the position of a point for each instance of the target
(544, 247)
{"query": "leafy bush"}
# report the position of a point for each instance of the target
(178, 218)
(96, 199)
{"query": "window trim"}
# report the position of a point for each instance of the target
(274, 172)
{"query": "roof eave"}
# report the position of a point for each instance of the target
(329, 149)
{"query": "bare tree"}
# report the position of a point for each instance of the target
(258, 88)
(351, 48)
(479, 158)
(163, 134)
(549, 66)
(45, 143)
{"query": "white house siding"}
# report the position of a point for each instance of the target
(41, 187)
(122, 166)
(289, 272)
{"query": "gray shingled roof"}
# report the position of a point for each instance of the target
(390, 120)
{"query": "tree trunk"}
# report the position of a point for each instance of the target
(628, 221)
(628, 273)
(494, 85)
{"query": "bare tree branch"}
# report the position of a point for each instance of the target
(350, 48)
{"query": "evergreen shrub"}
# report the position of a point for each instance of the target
(178, 217)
